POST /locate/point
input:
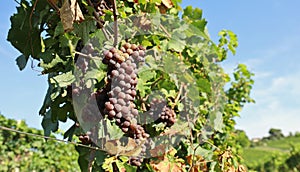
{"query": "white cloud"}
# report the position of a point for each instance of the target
(277, 106)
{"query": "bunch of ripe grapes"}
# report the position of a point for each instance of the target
(115, 100)
(122, 79)
(161, 112)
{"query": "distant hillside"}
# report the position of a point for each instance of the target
(274, 154)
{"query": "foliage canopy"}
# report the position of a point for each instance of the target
(182, 63)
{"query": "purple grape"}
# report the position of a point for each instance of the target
(115, 73)
(121, 95)
(124, 65)
(111, 114)
(121, 77)
(126, 124)
(127, 78)
(141, 53)
(119, 115)
(118, 107)
(125, 110)
(113, 100)
(121, 102)
(124, 129)
(135, 112)
(109, 106)
(135, 54)
(121, 70)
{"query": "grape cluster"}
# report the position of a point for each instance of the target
(161, 112)
(90, 111)
(85, 138)
(82, 60)
(122, 77)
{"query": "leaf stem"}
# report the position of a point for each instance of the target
(179, 94)
(86, 56)
(157, 80)
(165, 30)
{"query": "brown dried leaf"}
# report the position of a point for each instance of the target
(167, 3)
(69, 13)
(114, 147)
(162, 9)
(199, 163)
(158, 151)
(242, 168)
(231, 169)
(165, 164)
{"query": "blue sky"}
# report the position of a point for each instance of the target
(268, 33)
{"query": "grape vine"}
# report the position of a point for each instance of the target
(105, 60)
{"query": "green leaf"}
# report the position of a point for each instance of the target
(24, 33)
(69, 133)
(217, 119)
(47, 101)
(146, 75)
(146, 43)
(59, 30)
(142, 88)
(195, 14)
(22, 61)
(129, 168)
(84, 29)
(114, 131)
(95, 74)
(83, 159)
(100, 157)
(51, 62)
(64, 79)
(176, 44)
(48, 124)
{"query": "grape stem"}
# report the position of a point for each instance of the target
(100, 25)
(98, 20)
(54, 6)
(115, 13)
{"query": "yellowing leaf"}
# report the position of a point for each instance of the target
(107, 165)
(69, 13)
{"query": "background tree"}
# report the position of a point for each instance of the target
(21, 152)
(275, 133)
(242, 138)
